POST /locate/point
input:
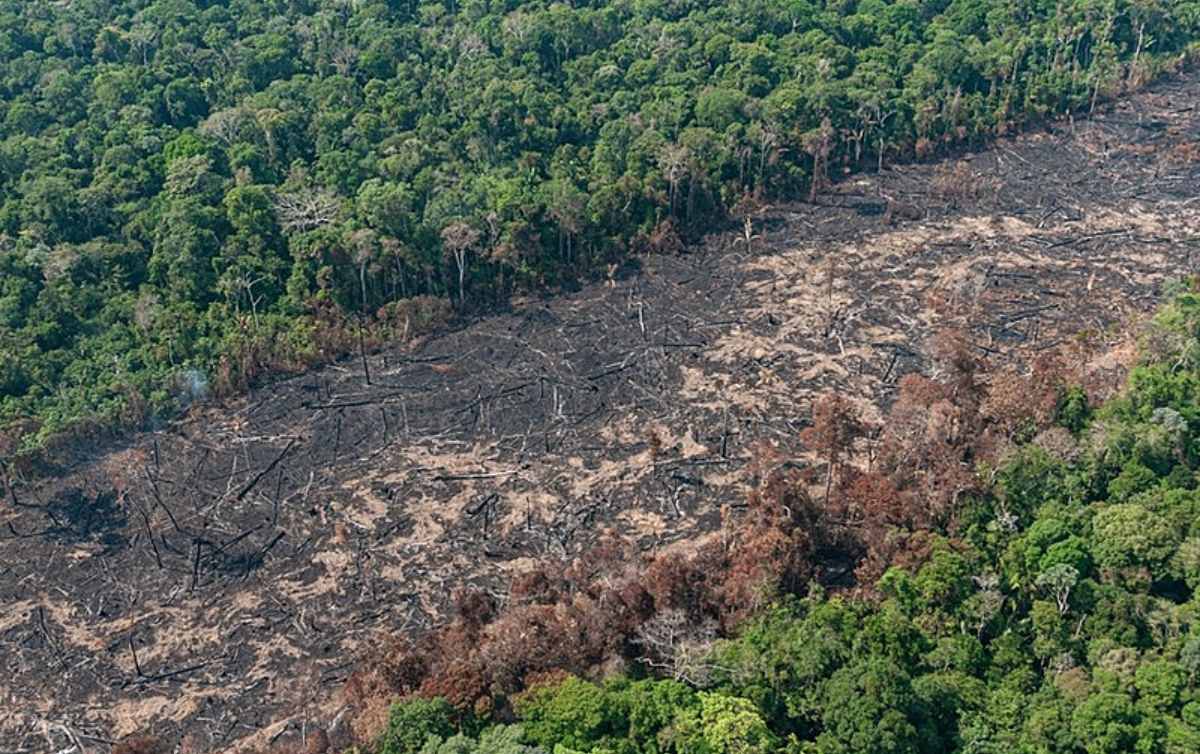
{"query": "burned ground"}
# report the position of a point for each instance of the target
(216, 580)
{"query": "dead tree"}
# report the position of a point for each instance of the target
(674, 645)
(835, 427)
(458, 239)
(307, 209)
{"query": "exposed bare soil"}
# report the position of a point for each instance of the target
(216, 580)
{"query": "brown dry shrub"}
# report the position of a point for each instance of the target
(956, 184)
(141, 744)
(460, 680)
(397, 669)
(872, 497)
(1186, 153)
(1024, 403)
(892, 548)
(548, 678)
(1007, 405)
(583, 616)
(312, 742)
(371, 718)
(317, 743)
(663, 239)
(474, 608)
(934, 436)
(419, 315)
(768, 562)
(836, 426)
(676, 582)
(611, 557)
(539, 586)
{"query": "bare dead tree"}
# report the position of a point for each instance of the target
(459, 238)
(748, 236)
(306, 209)
(365, 244)
(678, 647)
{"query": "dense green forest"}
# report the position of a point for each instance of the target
(1048, 609)
(195, 192)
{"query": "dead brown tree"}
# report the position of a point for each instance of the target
(836, 425)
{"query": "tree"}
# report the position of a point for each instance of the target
(818, 144)
(500, 739)
(566, 205)
(1059, 580)
(609, 129)
(1105, 723)
(386, 207)
(459, 239)
(51, 203)
(185, 243)
(654, 705)
(412, 723)
(870, 706)
(365, 250)
(572, 713)
(834, 429)
(227, 126)
(1160, 685)
(1128, 536)
(674, 645)
(724, 725)
(306, 209)
(250, 211)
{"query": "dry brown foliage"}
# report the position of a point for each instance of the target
(141, 745)
(415, 316)
(956, 183)
(663, 239)
(1185, 153)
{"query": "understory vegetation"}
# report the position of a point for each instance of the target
(194, 193)
(1025, 548)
